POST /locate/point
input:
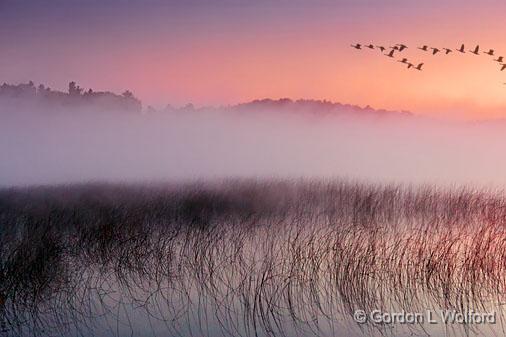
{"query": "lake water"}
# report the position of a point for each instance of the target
(316, 260)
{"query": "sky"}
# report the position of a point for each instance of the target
(226, 52)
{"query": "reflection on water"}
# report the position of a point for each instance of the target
(248, 259)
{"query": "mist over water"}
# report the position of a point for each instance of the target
(244, 257)
(53, 147)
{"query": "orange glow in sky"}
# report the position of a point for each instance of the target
(230, 53)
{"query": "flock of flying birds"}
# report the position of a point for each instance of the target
(398, 48)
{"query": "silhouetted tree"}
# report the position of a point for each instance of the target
(76, 96)
(74, 90)
(128, 94)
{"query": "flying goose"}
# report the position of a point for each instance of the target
(410, 65)
(381, 48)
(447, 51)
(370, 46)
(499, 59)
(424, 48)
(476, 50)
(503, 67)
(401, 46)
(357, 46)
(391, 54)
(434, 51)
(419, 67)
(461, 49)
(404, 60)
(490, 52)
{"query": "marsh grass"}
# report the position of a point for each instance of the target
(245, 258)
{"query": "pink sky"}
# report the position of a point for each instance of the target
(229, 52)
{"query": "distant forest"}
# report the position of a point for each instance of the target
(75, 97)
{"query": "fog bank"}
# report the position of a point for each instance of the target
(48, 147)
